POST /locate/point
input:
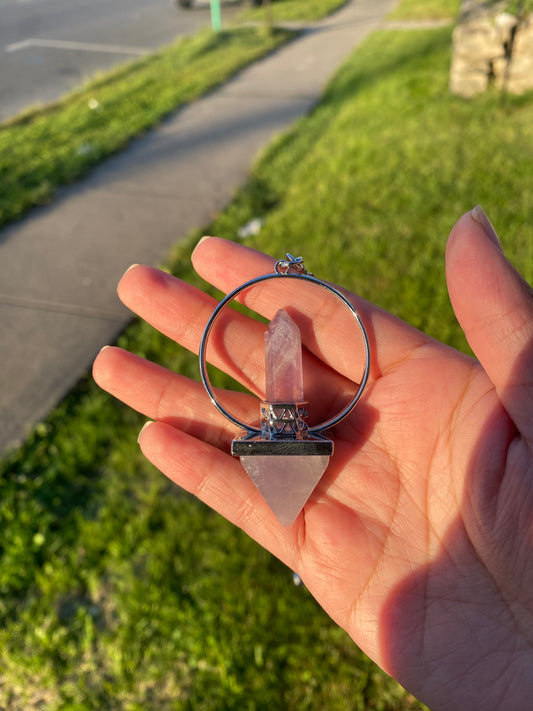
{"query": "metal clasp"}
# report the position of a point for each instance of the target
(291, 265)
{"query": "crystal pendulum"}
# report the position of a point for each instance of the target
(284, 457)
(285, 461)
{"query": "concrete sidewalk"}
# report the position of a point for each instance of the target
(59, 267)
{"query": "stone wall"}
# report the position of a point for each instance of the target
(479, 50)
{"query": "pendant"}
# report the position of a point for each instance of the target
(285, 458)
(285, 462)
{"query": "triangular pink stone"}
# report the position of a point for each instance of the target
(285, 482)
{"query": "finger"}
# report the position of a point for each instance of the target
(219, 481)
(162, 395)
(236, 344)
(181, 311)
(494, 306)
(182, 403)
(327, 328)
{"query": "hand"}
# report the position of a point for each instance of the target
(418, 540)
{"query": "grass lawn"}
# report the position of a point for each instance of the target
(117, 590)
(426, 10)
(290, 10)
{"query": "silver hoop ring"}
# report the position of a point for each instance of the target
(281, 274)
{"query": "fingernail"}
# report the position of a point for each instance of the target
(104, 349)
(146, 424)
(204, 238)
(481, 218)
(132, 266)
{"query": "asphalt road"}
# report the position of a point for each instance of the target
(48, 47)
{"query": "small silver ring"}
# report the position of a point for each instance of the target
(317, 429)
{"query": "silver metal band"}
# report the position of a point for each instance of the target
(285, 269)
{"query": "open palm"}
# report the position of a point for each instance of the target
(418, 540)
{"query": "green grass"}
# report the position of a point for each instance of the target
(425, 10)
(291, 10)
(46, 148)
(118, 591)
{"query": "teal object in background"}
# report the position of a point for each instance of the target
(216, 17)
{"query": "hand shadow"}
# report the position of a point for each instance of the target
(460, 621)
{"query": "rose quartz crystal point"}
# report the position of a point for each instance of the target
(285, 482)
(283, 360)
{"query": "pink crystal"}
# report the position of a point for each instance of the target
(283, 360)
(285, 482)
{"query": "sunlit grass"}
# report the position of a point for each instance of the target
(289, 10)
(426, 10)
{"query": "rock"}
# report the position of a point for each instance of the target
(479, 50)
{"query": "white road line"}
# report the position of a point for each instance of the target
(83, 46)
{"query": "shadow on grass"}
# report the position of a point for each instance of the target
(51, 482)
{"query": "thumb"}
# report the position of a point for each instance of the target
(494, 306)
